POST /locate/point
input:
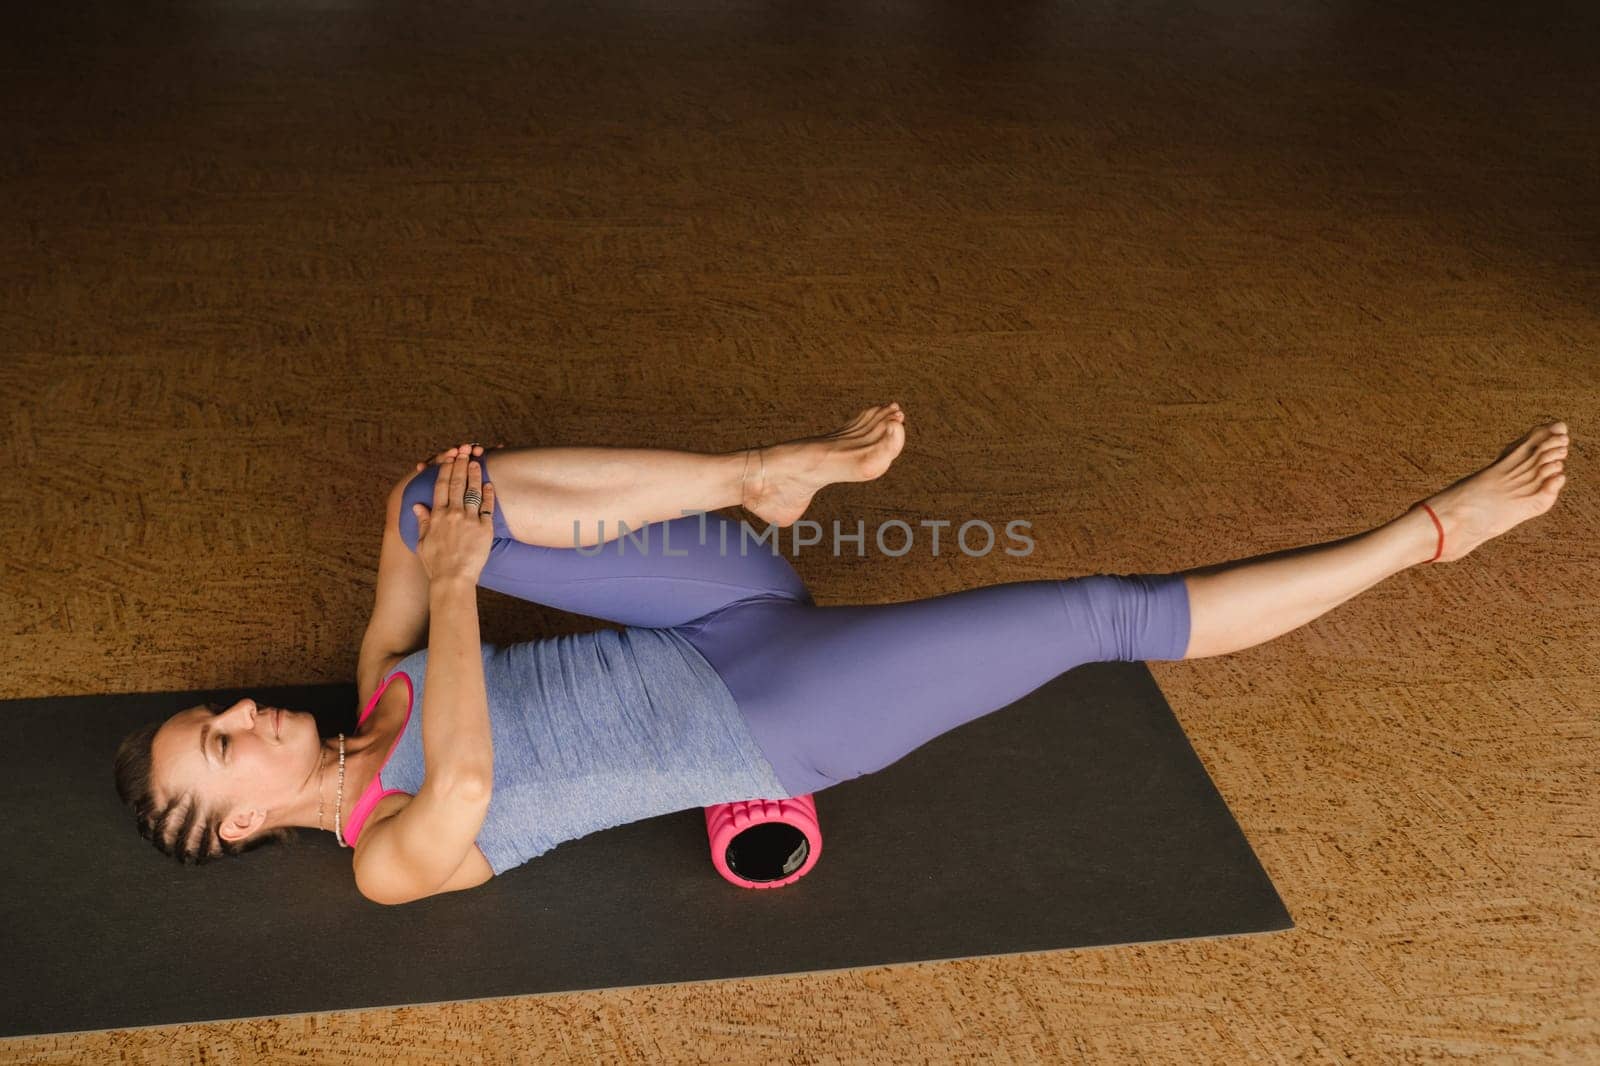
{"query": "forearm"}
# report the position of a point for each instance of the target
(399, 622)
(543, 491)
(456, 740)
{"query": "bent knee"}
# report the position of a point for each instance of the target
(419, 489)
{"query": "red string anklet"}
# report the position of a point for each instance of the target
(1436, 522)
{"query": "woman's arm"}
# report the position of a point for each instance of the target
(456, 742)
(400, 613)
(425, 848)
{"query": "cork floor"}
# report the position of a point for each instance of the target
(1175, 284)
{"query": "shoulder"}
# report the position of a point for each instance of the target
(370, 675)
(473, 870)
(388, 807)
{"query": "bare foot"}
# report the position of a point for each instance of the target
(859, 451)
(1522, 483)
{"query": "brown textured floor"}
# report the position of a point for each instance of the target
(1176, 284)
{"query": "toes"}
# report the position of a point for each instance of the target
(1546, 496)
(1535, 444)
(884, 413)
(1553, 448)
(870, 416)
(1548, 432)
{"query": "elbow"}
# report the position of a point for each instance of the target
(383, 900)
(473, 788)
(384, 892)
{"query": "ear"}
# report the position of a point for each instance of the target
(239, 826)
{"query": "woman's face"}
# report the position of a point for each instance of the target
(250, 758)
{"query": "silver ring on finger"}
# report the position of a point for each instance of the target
(472, 498)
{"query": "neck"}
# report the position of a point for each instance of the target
(363, 755)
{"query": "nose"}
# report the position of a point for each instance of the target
(251, 708)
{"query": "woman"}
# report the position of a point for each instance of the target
(726, 681)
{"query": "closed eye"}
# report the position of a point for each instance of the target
(216, 709)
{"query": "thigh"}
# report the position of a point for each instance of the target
(665, 574)
(830, 693)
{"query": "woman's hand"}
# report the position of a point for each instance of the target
(453, 540)
(450, 453)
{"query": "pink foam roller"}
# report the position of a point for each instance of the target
(764, 843)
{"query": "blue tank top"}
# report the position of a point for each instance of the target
(591, 731)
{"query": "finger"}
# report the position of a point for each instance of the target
(475, 476)
(446, 456)
(458, 478)
(487, 507)
(449, 454)
(441, 487)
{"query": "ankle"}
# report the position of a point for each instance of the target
(1427, 533)
(753, 480)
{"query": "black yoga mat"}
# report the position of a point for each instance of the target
(1077, 816)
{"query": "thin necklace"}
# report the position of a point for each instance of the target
(338, 805)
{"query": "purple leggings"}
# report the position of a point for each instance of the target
(831, 693)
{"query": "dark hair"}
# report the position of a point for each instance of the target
(181, 827)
